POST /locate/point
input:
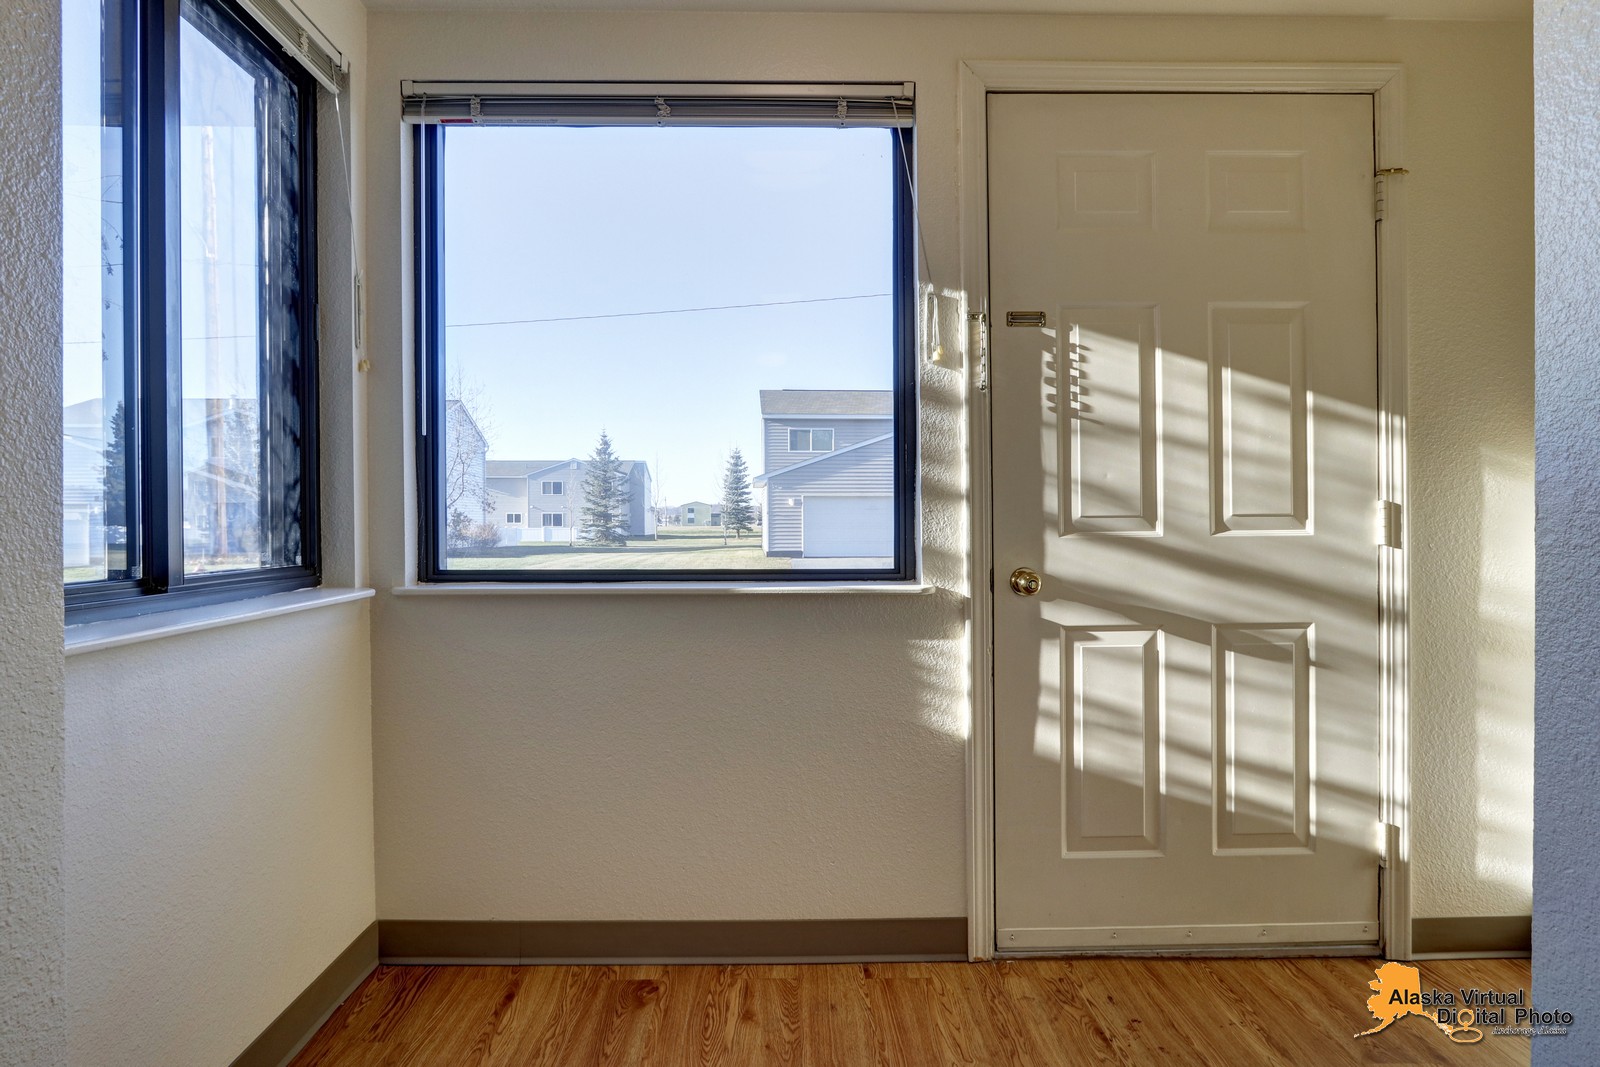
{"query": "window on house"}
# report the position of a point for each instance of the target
(811, 440)
(554, 519)
(654, 285)
(513, 517)
(553, 488)
(188, 438)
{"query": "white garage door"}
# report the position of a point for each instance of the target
(835, 526)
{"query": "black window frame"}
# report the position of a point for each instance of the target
(427, 253)
(153, 388)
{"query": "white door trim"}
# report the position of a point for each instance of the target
(1386, 84)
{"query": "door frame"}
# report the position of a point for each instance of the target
(1385, 83)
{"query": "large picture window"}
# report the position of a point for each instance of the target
(678, 327)
(188, 444)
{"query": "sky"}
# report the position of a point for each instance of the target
(219, 95)
(557, 223)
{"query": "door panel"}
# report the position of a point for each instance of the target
(1186, 452)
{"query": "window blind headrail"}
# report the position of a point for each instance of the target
(303, 40)
(572, 104)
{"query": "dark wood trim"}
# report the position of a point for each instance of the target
(296, 1024)
(1473, 933)
(787, 941)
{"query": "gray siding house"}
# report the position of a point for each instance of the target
(541, 500)
(699, 513)
(828, 473)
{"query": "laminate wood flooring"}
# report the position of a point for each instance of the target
(1034, 1013)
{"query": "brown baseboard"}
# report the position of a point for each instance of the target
(1498, 934)
(781, 941)
(295, 1025)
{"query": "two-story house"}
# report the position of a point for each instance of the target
(541, 500)
(698, 513)
(828, 473)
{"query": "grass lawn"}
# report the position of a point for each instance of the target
(685, 548)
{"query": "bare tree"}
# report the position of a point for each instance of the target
(467, 433)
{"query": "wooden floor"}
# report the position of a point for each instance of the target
(1292, 1012)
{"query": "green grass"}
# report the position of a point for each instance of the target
(685, 548)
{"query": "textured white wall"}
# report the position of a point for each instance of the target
(219, 832)
(32, 1011)
(603, 758)
(1566, 939)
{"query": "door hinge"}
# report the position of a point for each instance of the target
(1389, 524)
(1380, 191)
(979, 323)
(1388, 844)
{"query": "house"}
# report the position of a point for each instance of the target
(537, 501)
(698, 513)
(83, 462)
(213, 825)
(828, 473)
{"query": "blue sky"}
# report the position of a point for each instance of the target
(554, 223)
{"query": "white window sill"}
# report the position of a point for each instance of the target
(112, 633)
(662, 589)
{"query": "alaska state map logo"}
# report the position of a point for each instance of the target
(1398, 993)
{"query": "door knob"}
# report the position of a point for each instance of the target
(1025, 582)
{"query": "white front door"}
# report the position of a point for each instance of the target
(1185, 451)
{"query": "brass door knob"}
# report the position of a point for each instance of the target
(1025, 582)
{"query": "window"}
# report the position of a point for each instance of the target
(553, 488)
(513, 517)
(553, 519)
(811, 440)
(188, 444)
(652, 288)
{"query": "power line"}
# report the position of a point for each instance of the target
(670, 311)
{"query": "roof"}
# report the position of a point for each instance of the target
(524, 468)
(824, 402)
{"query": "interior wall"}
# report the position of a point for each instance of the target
(219, 829)
(32, 729)
(602, 757)
(1566, 940)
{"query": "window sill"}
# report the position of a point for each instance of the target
(112, 633)
(662, 589)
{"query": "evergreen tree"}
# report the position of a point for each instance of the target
(116, 472)
(605, 497)
(738, 513)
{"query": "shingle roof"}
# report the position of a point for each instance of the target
(825, 402)
(521, 468)
(518, 468)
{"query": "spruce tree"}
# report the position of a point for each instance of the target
(738, 513)
(605, 497)
(116, 471)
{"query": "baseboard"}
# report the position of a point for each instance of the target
(296, 1024)
(778, 941)
(1466, 936)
